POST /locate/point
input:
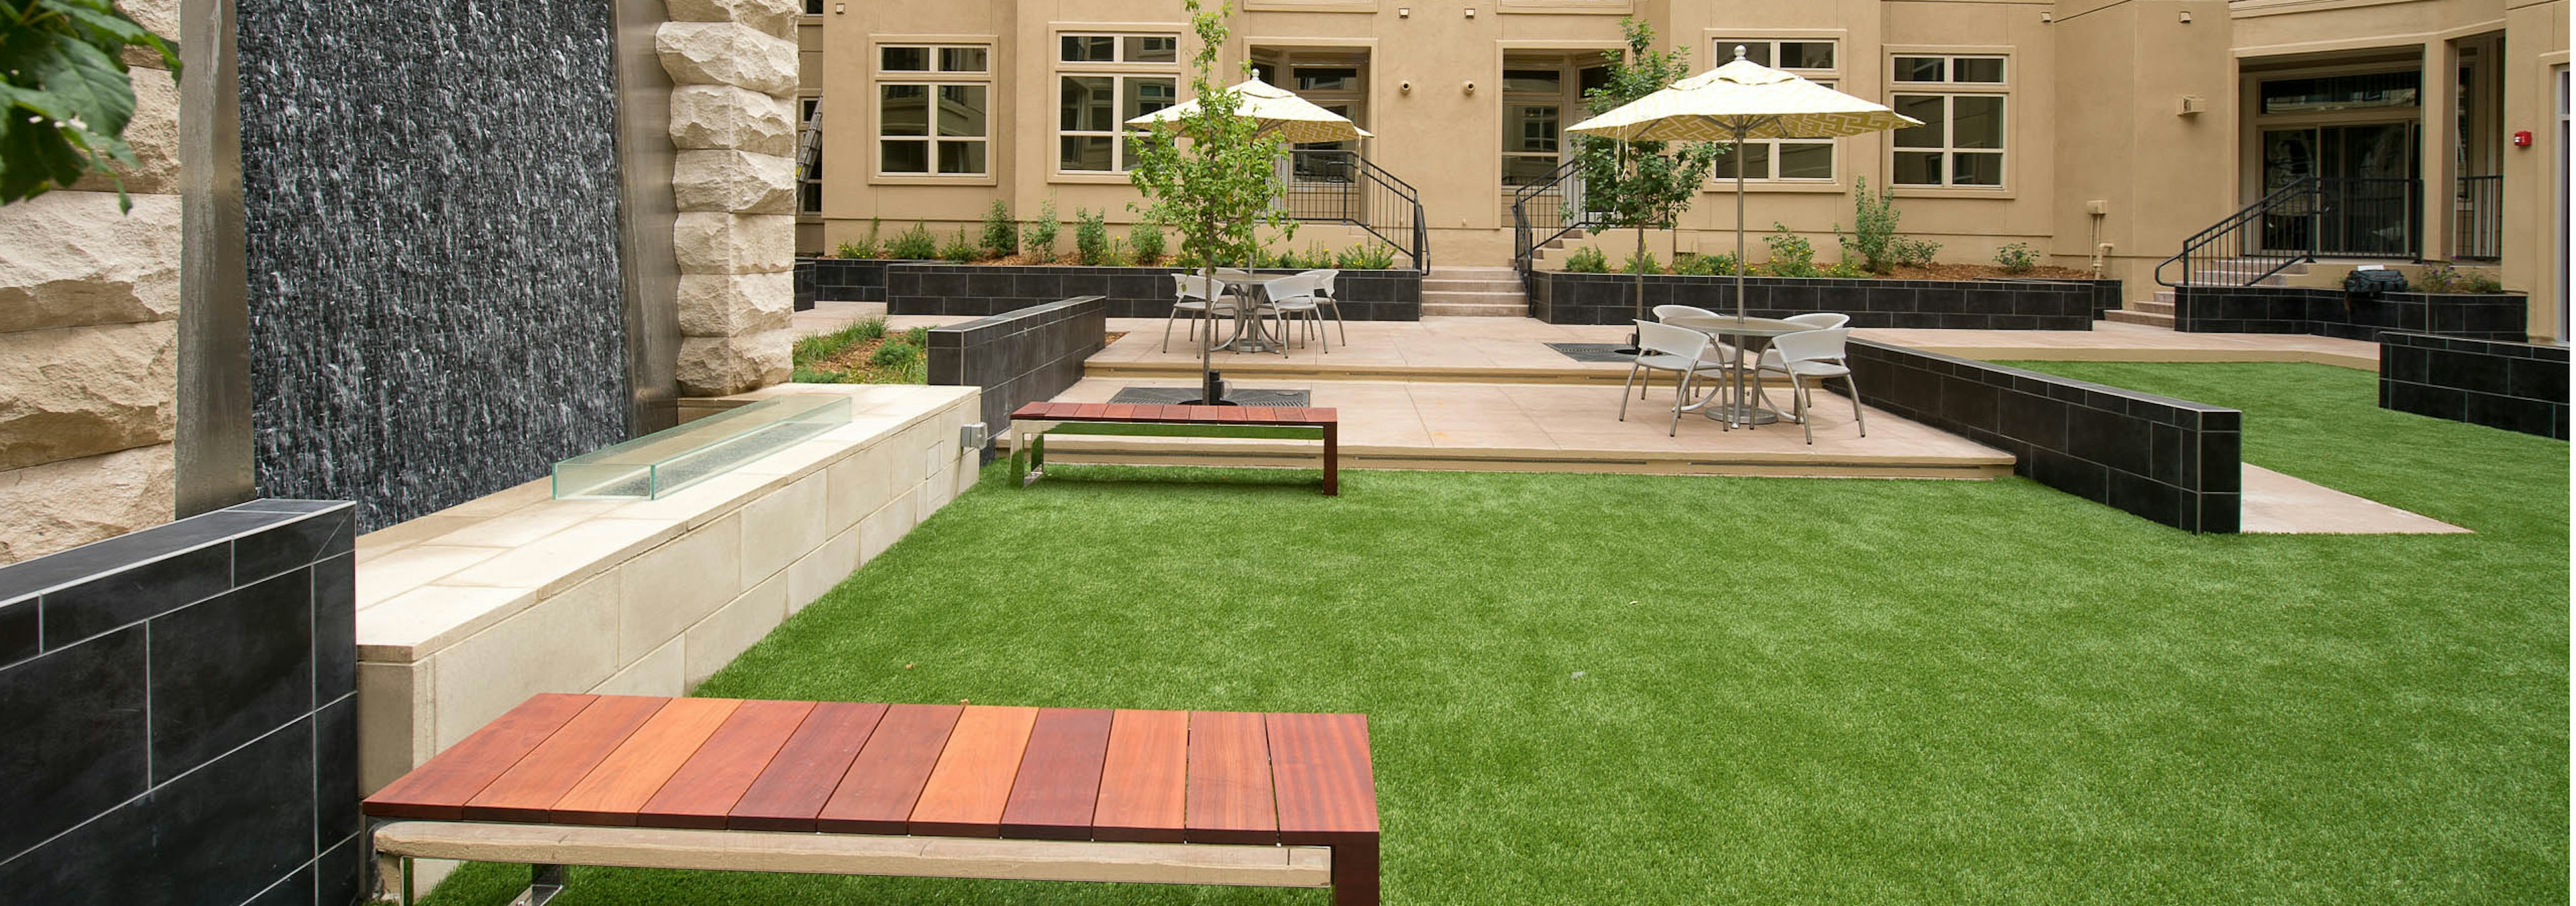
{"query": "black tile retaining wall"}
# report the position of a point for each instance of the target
(178, 714)
(2329, 312)
(1020, 357)
(1566, 298)
(2174, 461)
(840, 280)
(2514, 386)
(1132, 292)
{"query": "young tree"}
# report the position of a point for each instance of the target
(1639, 184)
(1210, 174)
(66, 93)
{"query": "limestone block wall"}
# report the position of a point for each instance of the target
(733, 65)
(89, 337)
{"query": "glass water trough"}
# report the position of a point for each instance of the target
(662, 462)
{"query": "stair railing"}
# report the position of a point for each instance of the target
(1543, 212)
(2259, 240)
(1332, 185)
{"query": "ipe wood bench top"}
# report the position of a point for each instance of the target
(921, 770)
(1187, 415)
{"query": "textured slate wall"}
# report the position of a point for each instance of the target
(2330, 312)
(431, 190)
(1558, 297)
(2514, 386)
(1020, 357)
(180, 706)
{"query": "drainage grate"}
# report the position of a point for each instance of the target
(1241, 396)
(1592, 352)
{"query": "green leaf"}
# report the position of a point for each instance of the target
(113, 29)
(91, 84)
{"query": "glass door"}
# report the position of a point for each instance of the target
(2367, 188)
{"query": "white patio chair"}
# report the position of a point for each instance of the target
(1817, 355)
(1292, 298)
(1192, 297)
(1769, 361)
(1325, 297)
(1664, 347)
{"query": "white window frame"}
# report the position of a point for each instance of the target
(932, 80)
(1566, 79)
(1949, 89)
(1119, 71)
(1721, 44)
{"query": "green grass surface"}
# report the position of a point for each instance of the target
(1632, 689)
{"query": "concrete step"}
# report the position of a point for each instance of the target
(1452, 272)
(1513, 297)
(1441, 285)
(2165, 296)
(1473, 310)
(2158, 307)
(2217, 276)
(2125, 316)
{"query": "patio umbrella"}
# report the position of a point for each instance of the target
(1279, 112)
(1741, 100)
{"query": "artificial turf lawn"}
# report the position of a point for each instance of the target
(1634, 689)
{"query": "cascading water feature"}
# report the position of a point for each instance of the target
(431, 191)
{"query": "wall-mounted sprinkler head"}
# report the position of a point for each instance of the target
(1471, 88)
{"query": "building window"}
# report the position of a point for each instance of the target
(813, 7)
(1783, 159)
(1533, 115)
(932, 110)
(1960, 100)
(809, 157)
(1108, 80)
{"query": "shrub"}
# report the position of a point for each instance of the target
(804, 375)
(1916, 252)
(2440, 278)
(919, 337)
(1116, 255)
(1692, 265)
(1319, 256)
(2483, 282)
(1642, 262)
(894, 354)
(1039, 238)
(2016, 258)
(1791, 254)
(958, 249)
(1090, 236)
(1846, 269)
(1001, 234)
(914, 244)
(868, 329)
(1366, 257)
(867, 248)
(1873, 237)
(1147, 240)
(1587, 260)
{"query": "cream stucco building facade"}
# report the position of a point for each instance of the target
(2098, 131)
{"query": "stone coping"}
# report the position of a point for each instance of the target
(432, 581)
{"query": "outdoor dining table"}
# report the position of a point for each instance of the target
(1249, 335)
(1740, 411)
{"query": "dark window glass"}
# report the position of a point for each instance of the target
(1918, 168)
(904, 157)
(961, 59)
(961, 157)
(1928, 108)
(1806, 54)
(2349, 92)
(1327, 78)
(1153, 49)
(1089, 104)
(905, 59)
(1090, 49)
(1757, 162)
(1084, 152)
(1801, 160)
(1976, 169)
(1756, 51)
(1593, 78)
(1922, 69)
(1533, 81)
(904, 111)
(1976, 121)
(961, 110)
(1977, 69)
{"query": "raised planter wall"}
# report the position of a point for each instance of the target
(2173, 461)
(1568, 298)
(181, 716)
(2330, 312)
(2514, 386)
(840, 280)
(1019, 357)
(1130, 292)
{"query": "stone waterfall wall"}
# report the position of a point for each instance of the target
(89, 302)
(433, 197)
(733, 67)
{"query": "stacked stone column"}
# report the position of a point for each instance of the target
(89, 336)
(734, 70)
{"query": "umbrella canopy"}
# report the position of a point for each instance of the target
(1279, 111)
(1742, 100)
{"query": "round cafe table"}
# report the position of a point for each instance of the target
(1739, 411)
(1249, 335)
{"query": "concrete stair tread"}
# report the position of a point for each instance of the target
(2149, 319)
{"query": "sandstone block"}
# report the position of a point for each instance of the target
(770, 17)
(723, 116)
(68, 258)
(154, 135)
(709, 243)
(727, 53)
(734, 182)
(62, 505)
(161, 16)
(729, 305)
(82, 391)
(721, 366)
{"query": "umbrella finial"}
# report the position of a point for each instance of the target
(1739, 51)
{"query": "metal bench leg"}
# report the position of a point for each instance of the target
(1332, 460)
(1355, 874)
(544, 883)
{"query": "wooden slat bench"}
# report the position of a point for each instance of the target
(1033, 442)
(969, 791)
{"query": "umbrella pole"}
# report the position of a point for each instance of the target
(1743, 408)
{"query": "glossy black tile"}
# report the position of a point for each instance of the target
(235, 826)
(136, 593)
(335, 769)
(18, 631)
(335, 627)
(229, 669)
(296, 544)
(74, 742)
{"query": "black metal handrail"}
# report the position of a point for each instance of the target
(2477, 231)
(1548, 206)
(1332, 185)
(2297, 222)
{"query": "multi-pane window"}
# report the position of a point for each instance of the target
(1960, 100)
(813, 7)
(809, 157)
(1788, 159)
(1093, 107)
(1533, 114)
(933, 110)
